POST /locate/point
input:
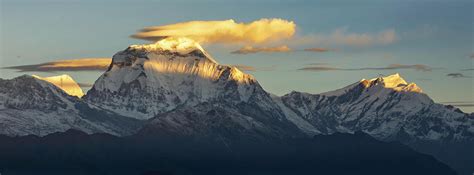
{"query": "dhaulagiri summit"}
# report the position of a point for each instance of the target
(174, 87)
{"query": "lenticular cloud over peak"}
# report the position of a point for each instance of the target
(226, 31)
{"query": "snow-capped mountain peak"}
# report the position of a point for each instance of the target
(394, 81)
(169, 73)
(65, 83)
(180, 45)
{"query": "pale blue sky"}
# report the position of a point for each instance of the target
(433, 33)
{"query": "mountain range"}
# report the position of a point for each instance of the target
(175, 88)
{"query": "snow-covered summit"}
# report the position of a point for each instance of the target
(382, 107)
(155, 78)
(30, 105)
(180, 45)
(178, 88)
(392, 82)
(64, 82)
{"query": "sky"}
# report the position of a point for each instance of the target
(334, 43)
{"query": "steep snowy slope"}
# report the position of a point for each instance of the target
(30, 105)
(173, 78)
(64, 82)
(146, 80)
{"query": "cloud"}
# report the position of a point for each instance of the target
(417, 67)
(319, 49)
(82, 64)
(319, 68)
(245, 67)
(252, 68)
(282, 48)
(250, 49)
(457, 75)
(342, 37)
(228, 31)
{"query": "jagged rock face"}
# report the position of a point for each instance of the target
(147, 80)
(29, 105)
(383, 109)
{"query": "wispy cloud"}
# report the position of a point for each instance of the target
(319, 49)
(417, 67)
(245, 67)
(227, 31)
(342, 37)
(250, 49)
(81, 64)
(282, 48)
(457, 75)
(252, 68)
(320, 68)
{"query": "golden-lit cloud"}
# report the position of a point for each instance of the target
(417, 67)
(247, 68)
(319, 49)
(227, 31)
(81, 64)
(244, 67)
(250, 49)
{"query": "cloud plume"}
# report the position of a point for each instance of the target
(82, 64)
(318, 49)
(417, 67)
(457, 75)
(227, 31)
(250, 49)
(245, 67)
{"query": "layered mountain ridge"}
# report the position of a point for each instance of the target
(174, 87)
(29, 105)
(383, 107)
